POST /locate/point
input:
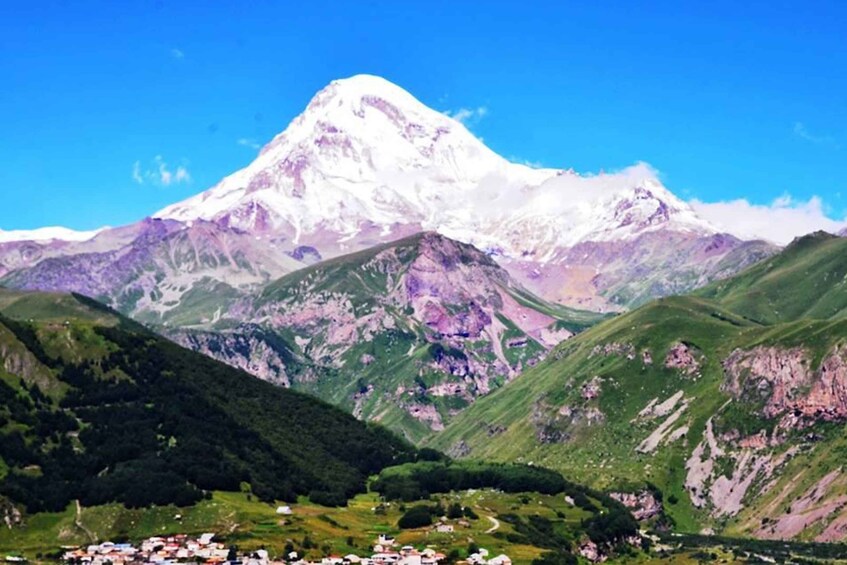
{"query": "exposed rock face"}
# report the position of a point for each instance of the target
(18, 361)
(614, 348)
(250, 348)
(643, 505)
(591, 389)
(721, 472)
(784, 382)
(672, 410)
(814, 506)
(683, 357)
(10, 514)
(592, 552)
(426, 413)
(459, 450)
(440, 313)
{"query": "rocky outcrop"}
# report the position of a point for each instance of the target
(822, 501)
(459, 450)
(9, 513)
(684, 358)
(427, 414)
(720, 473)
(643, 505)
(591, 389)
(248, 348)
(614, 348)
(592, 552)
(783, 382)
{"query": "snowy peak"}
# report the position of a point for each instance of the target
(365, 155)
(375, 123)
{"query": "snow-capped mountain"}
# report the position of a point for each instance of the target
(367, 163)
(365, 155)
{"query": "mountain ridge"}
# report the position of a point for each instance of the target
(737, 415)
(407, 333)
(364, 164)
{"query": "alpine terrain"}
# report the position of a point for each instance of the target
(367, 163)
(406, 333)
(732, 400)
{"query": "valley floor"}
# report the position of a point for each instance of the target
(316, 531)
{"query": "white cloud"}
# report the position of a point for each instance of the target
(468, 116)
(160, 173)
(800, 130)
(779, 222)
(136, 172)
(527, 162)
(248, 142)
(177, 54)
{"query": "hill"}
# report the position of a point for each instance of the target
(732, 401)
(407, 333)
(807, 280)
(98, 409)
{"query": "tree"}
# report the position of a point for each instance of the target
(415, 517)
(454, 511)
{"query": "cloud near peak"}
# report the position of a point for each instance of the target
(467, 116)
(779, 222)
(159, 173)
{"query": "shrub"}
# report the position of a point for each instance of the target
(416, 517)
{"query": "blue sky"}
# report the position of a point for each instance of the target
(729, 100)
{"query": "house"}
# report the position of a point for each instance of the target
(284, 510)
(500, 560)
(444, 528)
(385, 540)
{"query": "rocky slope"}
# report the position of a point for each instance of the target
(740, 422)
(156, 270)
(366, 163)
(407, 333)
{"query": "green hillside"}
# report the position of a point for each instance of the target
(109, 412)
(807, 280)
(407, 334)
(731, 401)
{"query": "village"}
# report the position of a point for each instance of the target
(181, 548)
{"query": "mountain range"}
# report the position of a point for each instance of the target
(238, 270)
(732, 400)
(407, 333)
(367, 163)
(377, 255)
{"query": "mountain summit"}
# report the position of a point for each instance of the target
(366, 154)
(366, 163)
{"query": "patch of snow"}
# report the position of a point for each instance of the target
(48, 233)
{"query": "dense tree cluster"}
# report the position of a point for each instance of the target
(152, 423)
(419, 480)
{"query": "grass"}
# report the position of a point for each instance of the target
(251, 524)
(604, 454)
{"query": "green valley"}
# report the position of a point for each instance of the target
(731, 400)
